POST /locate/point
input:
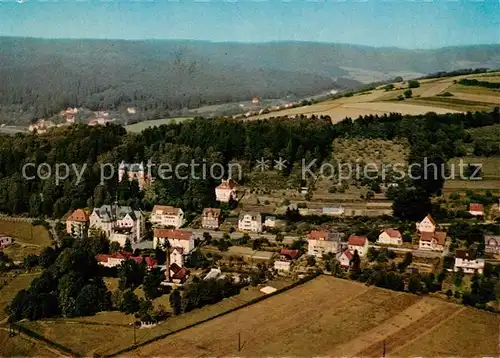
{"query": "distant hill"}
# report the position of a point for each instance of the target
(163, 77)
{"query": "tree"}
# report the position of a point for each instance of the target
(389, 87)
(175, 301)
(279, 238)
(131, 274)
(130, 303)
(408, 93)
(114, 247)
(311, 260)
(47, 257)
(152, 282)
(355, 264)
(128, 246)
(414, 284)
(413, 84)
(31, 261)
(458, 278)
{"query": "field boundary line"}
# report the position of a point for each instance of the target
(460, 310)
(46, 343)
(249, 303)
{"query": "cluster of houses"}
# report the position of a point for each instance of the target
(68, 117)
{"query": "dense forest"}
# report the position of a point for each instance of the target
(161, 78)
(474, 82)
(432, 137)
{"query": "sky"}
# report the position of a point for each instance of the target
(400, 23)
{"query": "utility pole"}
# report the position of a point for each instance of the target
(239, 341)
(383, 352)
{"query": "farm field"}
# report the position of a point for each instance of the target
(140, 126)
(28, 239)
(350, 319)
(424, 99)
(85, 335)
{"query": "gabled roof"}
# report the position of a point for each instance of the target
(393, 233)
(211, 212)
(165, 210)
(227, 184)
(429, 217)
(357, 240)
(439, 236)
(150, 262)
(180, 250)
(292, 254)
(491, 240)
(318, 235)
(172, 234)
(476, 207)
(175, 268)
(79, 215)
(348, 254)
(181, 274)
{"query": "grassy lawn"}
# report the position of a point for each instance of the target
(8, 292)
(25, 233)
(140, 126)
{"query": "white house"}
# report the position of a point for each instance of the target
(359, 243)
(176, 238)
(476, 209)
(226, 191)
(345, 258)
(323, 242)
(434, 241)
(468, 262)
(426, 225)
(118, 223)
(390, 237)
(167, 216)
(251, 222)
(5, 241)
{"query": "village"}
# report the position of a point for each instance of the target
(252, 237)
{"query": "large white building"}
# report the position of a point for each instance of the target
(167, 216)
(118, 223)
(251, 222)
(323, 242)
(467, 261)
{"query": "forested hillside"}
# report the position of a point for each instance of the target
(41, 77)
(433, 138)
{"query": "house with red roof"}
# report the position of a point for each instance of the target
(390, 237)
(163, 215)
(116, 259)
(176, 238)
(345, 258)
(323, 242)
(210, 218)
(433, 241)
(178, 274)
(78, 222)
(476, 209)
(285, 259)
(359, 243)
